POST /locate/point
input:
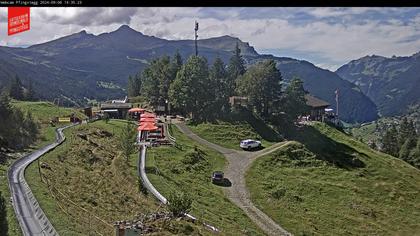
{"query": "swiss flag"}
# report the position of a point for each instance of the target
(18, 20)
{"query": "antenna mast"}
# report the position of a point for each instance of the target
(336, 100)
(196, 36)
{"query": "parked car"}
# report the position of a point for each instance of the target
(249, 144)
(217, 177)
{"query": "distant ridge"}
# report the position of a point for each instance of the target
(83, 65)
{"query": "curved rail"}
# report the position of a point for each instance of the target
(142, 173)
(31, 217)
(168, 134)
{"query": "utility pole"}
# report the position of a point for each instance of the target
(196, 36)
(336, 100)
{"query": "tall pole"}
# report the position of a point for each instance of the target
(336, 100)
(196, 36)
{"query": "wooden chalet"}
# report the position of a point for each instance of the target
(317, 107)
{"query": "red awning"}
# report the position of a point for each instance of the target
(147, 119)
(136, 109)
(147, 127)
(148, 115)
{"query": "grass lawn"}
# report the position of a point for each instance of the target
(365, 133)
(184, 168)
(13, 224)
(230, 134)
(45, 111)
(42, 112)
(327, 183)
(88, 185)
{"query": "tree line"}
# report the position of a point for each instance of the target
(403, 142)
(202, 92)
(17, 130)
(17, 91)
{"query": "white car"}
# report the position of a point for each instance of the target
(249, 144)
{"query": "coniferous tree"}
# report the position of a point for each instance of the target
(127, 140)
(236, 68)
(294, 102)
(4, 228)
(406, 131)
(373, 145)
(31, 127)
(30, 94)
(219, 86)
(408, 145)
(16, 90)
(414, 156)
(390, 141)
(16, 130)
(131, 87)
(177, 61)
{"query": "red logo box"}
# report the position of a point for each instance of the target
(18, 20)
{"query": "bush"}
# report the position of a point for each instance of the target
(278, 193)
(194, 157)
(179, 203)
(142, 188)
(3, 217)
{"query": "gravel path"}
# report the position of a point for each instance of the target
(238, 163)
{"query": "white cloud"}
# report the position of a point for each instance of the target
(338, 42)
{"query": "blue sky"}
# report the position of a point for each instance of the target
(327, 37)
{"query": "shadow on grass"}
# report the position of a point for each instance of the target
(256, 149)
(261, 127)
(151, 170)
(225, 183)
(243, 115)
(327, 149)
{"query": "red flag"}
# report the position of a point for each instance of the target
(18, 20)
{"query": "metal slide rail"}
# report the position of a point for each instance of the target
(168, 134)
(142, 173)
(31, 217)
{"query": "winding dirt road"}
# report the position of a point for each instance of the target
(238, 164)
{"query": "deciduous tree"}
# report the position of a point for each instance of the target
(294, 103)
(189, 92)
(262, 85)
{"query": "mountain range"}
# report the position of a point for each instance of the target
(84, 66)
(393, 84)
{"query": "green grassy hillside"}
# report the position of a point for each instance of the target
(88, 185)
(187, 169)
(42, 112)
(230, 131)
(327, 183)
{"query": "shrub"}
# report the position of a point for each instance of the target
(142, 188)
(278, 193)
(194, 157)
(179, 203)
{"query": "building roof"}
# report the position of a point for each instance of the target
(115, 106)
(315, 102)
